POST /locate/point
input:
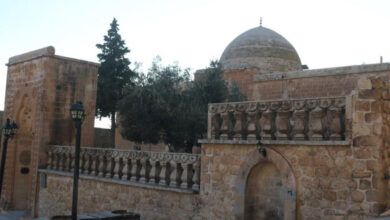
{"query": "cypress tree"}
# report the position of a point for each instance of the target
(114, 74)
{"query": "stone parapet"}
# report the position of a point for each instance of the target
(158, 170)
(46, 51)
(276, 142)
(319, 119)
(371, 68)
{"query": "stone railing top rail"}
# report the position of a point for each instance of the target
(158, 170)
(280, 103)
(355, 69)
(124, 152)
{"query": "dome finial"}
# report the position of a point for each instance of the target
(261, 21)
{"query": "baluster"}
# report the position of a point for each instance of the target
(87, 162)
(101, 165)
(125, 171)
(335, 124)
(109, 166)
(72, 161)
(50, 159)
(95, 164)
(117, 165)
(56, 160)
(299, 124)
(315, 122)
(215, 125)
(173, 175)
(251, 119)
(267, 125)
(163, 172)
(153, 171)
(133, 169)
(196, 176)
(184, 176)
(226, 126)
(283, 126)
(142, 178)
(63, 161)
(82, 161)
(239, 115)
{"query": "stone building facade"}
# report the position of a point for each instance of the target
(41, 87)
(310, 144)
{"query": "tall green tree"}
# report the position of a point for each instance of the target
(114, 74)
(169, 107)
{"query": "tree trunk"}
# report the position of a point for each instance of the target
(113, 127)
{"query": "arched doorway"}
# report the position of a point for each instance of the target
(266, 187)
(264, 193)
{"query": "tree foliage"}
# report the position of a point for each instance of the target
(114, 74)
(167, 106)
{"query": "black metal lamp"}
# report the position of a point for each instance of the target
(261, 149)
(77, 111)
(7, 129)
(14, 128)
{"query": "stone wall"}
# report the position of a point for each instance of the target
(96, 196)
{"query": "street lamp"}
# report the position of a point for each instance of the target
(9, 130)
(78, 114)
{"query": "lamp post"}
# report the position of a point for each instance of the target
(77, 113)
(9, 130)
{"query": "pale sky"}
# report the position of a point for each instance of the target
(325, 34)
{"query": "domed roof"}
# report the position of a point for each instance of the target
(260, 48)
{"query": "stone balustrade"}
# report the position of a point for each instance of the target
(160, 169)
(320, 119)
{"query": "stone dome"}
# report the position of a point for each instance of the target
(260, 48)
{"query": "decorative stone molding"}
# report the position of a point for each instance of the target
(320, 119)
(168, 170)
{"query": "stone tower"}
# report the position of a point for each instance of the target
(41, 87)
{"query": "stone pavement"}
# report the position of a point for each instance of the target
(16, 215)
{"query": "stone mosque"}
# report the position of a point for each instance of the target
(309, 143)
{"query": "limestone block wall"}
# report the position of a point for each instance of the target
(96, 196)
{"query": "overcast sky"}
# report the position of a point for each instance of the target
(325, 33)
